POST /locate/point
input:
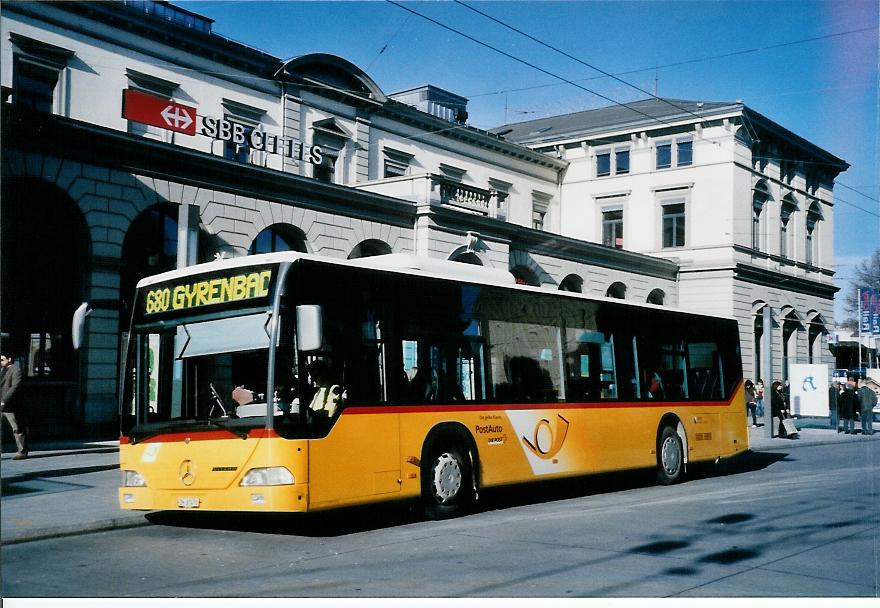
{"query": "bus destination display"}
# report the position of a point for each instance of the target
(246, 285)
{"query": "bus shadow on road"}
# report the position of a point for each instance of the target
(352, 520)
(338, 522)
(608, 483)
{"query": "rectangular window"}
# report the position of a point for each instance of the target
(603, 164)
(394, 169)
(34, 86)
(809, 249)
(673, 225)
(538, 219)
(239, 147)
(612, 229)
(664, 156)
(621, 160)
(685, 153)
(783, 239)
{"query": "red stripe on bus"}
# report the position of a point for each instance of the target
(418, 409)
(211, 435)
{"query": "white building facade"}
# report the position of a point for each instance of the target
(743, 206)
(136, 140)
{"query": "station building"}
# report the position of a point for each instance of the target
(135, 140)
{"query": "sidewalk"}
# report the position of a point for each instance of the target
(67, 488)
(62, 488)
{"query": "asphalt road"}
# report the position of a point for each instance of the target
(798, 522)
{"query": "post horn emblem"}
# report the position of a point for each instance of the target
(187, 472)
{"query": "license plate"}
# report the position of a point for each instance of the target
(187, 502)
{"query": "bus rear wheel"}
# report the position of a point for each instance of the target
(447, 482)
(670, 457)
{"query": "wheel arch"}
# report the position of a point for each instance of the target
(453, 432)
(672, 420)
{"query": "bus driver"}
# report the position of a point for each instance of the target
(327, 396)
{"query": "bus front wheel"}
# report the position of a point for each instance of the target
(670, 457)
(448, 486)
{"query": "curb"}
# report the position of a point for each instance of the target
(116, 523)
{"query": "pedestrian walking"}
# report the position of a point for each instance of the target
(833, 392)
(847, 405)
(751, 402)
(10, 406)
(867, 402)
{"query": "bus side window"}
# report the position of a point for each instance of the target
(526, 361)
(591, 373)
(704, 370)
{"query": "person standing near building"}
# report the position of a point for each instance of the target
(751, 404)
(10, 379)
(833, 392)
(867, 402)
(759, 397)
(846, 406)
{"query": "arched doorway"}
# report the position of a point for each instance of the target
(150, 247)
(46, 248)
(790, 326)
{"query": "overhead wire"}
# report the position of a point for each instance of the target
(607, 74)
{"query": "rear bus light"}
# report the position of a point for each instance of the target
(271, 476)
(133, 479)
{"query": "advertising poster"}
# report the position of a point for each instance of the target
(809, 389)
(866, 311)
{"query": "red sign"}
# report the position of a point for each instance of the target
(158, 112)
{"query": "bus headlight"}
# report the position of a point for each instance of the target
(133, 479)
(271, 476)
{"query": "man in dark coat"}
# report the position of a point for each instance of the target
(10, 378)
(833, 393)
(867, 402)
(847, 405)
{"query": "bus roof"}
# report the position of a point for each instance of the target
(406, 264)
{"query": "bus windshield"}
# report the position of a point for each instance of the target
(189, 374)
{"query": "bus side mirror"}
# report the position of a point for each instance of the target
(309, 327)
(78, 328)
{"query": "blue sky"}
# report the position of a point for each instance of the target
(825, 89)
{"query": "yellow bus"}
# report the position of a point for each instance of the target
(289, 383)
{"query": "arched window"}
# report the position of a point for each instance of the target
(369, 248)
(616, 290)
(814, 215)
(525, 276)
(279, 237)
(572, 283)
(760, 196)
(468, 258)
(789, 206)
(657, 296)
(815, 331)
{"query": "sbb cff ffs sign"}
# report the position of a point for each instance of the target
(158, 112)
(166, 114)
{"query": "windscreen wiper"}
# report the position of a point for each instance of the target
(243, 433)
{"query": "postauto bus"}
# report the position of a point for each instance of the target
(290, 383)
